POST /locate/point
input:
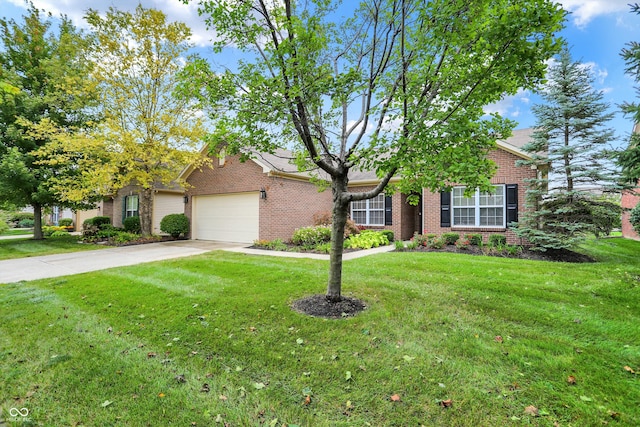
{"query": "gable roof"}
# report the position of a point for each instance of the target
(279, 163)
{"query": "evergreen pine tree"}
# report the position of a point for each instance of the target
(570, 141)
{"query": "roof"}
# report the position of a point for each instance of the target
(280, 162)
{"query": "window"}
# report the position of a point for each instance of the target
(369, 211)
(480, 210)
(131, 206)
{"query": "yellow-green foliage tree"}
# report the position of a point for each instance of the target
(149, 132)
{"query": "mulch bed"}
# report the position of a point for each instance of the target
(319, 306)
(563, 255)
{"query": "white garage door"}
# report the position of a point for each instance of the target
(165, 204)
(228, 217)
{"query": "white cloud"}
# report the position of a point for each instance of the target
(508, 106)
(583, 11)
(174, 9)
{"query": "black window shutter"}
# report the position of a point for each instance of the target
(445, 209)
(124, 208)
(512, 203)
(388, 211)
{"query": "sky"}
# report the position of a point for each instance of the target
(596, 31)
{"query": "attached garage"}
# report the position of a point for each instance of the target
(165, 204)
(226, 217)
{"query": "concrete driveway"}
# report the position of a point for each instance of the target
(43, 267)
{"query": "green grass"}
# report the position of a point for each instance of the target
(22, 248)
(17, 232)
(134, 346)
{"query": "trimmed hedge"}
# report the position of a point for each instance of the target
(175, 225)
(311, 236)
(132, 224)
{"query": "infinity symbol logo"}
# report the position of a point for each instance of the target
(14, 412)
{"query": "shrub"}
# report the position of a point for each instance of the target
(175, 225)
(474, 239)
(121, 237)
(368, 240)
(411, 245)
(49, 230)
(497, 240)
(65, 222)
(26, 223)
(463, 244)
(450, 238)
(325, 219)
(389, 234)
(634, 218)
(107, 231)
(132, 224)
(59, 233)
(311, 236)
(16, 217)
(420, 239)
(437, 243)
(3, 227)
(399, 244)
(276, 245)
(324, 248)
(97, 221)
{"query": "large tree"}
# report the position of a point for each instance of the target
(572, 140)
(399, 87)
(150, 132)
(629, 159)
(43, 78)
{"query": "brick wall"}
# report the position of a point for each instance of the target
(629, 201)
(507, 173)
(290, 203)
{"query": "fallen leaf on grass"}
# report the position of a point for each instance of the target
(628, 369)
(395, 398)
(408, 358)
(180, 378)
(106, 403)
(585, 399)
(531, 410)
(307, 400)
(571, 380)
(347, 375)
(205, 388)
(151, 354)
(446, 403)
(161, 395)
(223, 397)
(259, 386)
(498, 339)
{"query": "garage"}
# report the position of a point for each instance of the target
(165, 204)
(226, 217)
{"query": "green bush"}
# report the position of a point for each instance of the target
(49, 230)
(97, 221)
(634, 218)
(324, 248)
(311, 236)
(26, 223)
(121, 237)
(367, 240)
(16, 217)
(437, 243)
(65, 222)
(450, 238)
(175, 225)
(3, 227)
(497, 240)
(475, 239)
(132, 224)
(389, 234)
(59, 233)
(399, 244)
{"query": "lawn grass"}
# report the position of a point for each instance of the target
(18, 232)
(21, 248)
(135, 346)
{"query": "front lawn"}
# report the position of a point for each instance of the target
(21, 248)
(18, 232)
(446, 340)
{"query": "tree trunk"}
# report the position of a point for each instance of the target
(37, 222)
(339, 219)
(146, 206)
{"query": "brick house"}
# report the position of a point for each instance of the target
(629, 201)
(266, 198)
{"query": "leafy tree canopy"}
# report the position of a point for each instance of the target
(399, 87)
(43, 78)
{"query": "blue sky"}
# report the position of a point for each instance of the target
(596, 31)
